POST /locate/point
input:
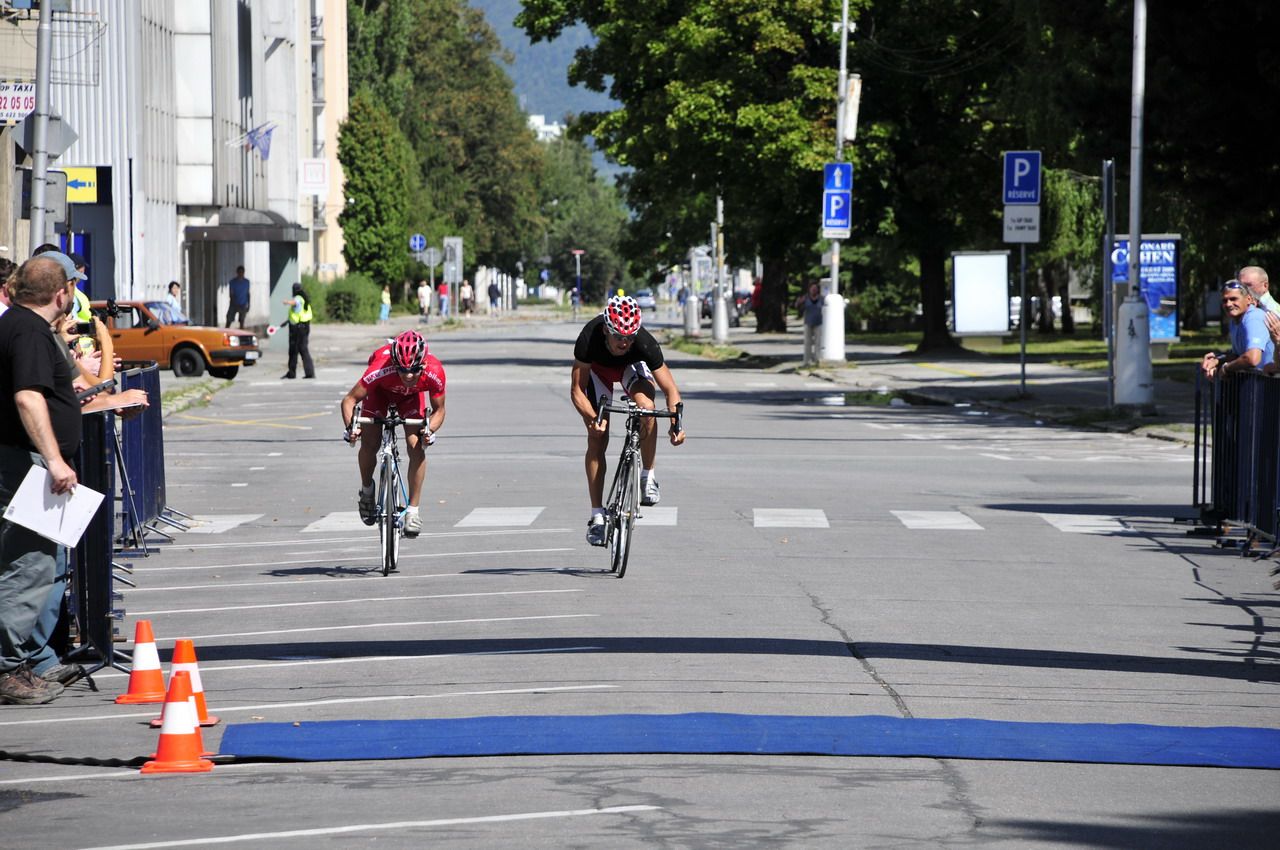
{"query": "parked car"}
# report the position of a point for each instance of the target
(138, 333)
(644, 297)
(733, 304)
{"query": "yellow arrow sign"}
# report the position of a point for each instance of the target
(82, 185)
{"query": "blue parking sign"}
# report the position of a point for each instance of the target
(837, 200)
(1021, 177)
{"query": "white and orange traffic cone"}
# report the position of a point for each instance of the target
(180, 745)
(184, 658)
(146, 680)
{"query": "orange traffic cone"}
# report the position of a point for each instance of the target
(184, 658)
(146, 681)
(180, 745)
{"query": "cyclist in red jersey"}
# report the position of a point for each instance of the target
(613, 348)
(404, 374)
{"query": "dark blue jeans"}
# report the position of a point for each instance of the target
(27, 566)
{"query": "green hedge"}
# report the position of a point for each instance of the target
(354, 298)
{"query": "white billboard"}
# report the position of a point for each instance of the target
(980, 292)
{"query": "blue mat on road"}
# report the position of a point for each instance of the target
(961, 738)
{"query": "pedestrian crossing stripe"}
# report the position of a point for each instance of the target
(789, 518)
(1085, 523)
(657, 516)
(202, 524)
(665, 515)
(937, 520)
(496, 517)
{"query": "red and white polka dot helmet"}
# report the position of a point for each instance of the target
(622, 315)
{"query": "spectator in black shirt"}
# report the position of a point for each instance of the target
(39, 425)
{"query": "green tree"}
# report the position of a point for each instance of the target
(435, 65)
(380, 174)
(729, 98)
(582, 212)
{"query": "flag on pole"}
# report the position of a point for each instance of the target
(259, 139)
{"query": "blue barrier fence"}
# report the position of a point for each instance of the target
(1237, 452)
(142, 451)
(123, 458)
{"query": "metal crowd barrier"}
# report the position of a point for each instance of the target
(124, 460)
(1237, 452)
(92, 574)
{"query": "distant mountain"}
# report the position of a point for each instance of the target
(540, 71)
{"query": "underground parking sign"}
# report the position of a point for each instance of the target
(837, 200)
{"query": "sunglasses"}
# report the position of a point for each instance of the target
(405, 370)
(1232, 284)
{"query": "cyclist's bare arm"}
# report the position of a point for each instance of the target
(348, 407)
(437, 413)
(578, 394)
(667, 383)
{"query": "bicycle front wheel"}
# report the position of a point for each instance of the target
(389, 521)
(623, 517)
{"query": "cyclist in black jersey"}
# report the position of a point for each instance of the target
(613, 348)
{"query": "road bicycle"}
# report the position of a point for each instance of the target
(622, 505)
(391, 495)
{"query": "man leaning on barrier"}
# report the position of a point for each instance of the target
(1251, 340)
(39, 425)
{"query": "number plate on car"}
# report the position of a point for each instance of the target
(251, 355)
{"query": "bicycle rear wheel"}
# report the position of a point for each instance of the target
(389, 521)
(623, 517)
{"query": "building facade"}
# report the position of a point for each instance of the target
(193, 120)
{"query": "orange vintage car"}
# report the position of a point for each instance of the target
(146, 331)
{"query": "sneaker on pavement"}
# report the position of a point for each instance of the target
(649, 491)
(368, 508)
(64, 674)
(412, 524)
(22, 687)
(595, 530)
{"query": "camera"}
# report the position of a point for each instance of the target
(84, 328)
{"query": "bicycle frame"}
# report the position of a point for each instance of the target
(622, 505)
(392, 494)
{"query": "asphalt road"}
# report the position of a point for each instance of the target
(811, 556)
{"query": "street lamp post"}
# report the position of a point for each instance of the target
(833, 303)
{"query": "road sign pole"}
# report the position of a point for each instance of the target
(1022, 320)
(40, 156)
(833, 303)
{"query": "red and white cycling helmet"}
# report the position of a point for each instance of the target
(408, 350)
(622, 315)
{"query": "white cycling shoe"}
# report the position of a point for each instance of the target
(595, 530)
(649, 495)
(412, 524)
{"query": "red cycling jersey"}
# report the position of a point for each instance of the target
(385, 386)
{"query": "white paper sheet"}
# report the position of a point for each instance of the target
(61, 518)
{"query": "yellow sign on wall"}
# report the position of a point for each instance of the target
(82, 185)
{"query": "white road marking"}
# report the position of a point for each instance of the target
(241, 484)
(362, 828)
(937, 520)
(337, 521)
(498, 517)
(223, 709)
(349, 601)
(371, 559)
(258, 544)
(390, 626)
(657, 516)
(789, 518)
(1085, 523)
(209, 524)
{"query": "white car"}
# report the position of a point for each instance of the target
(644, 297)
